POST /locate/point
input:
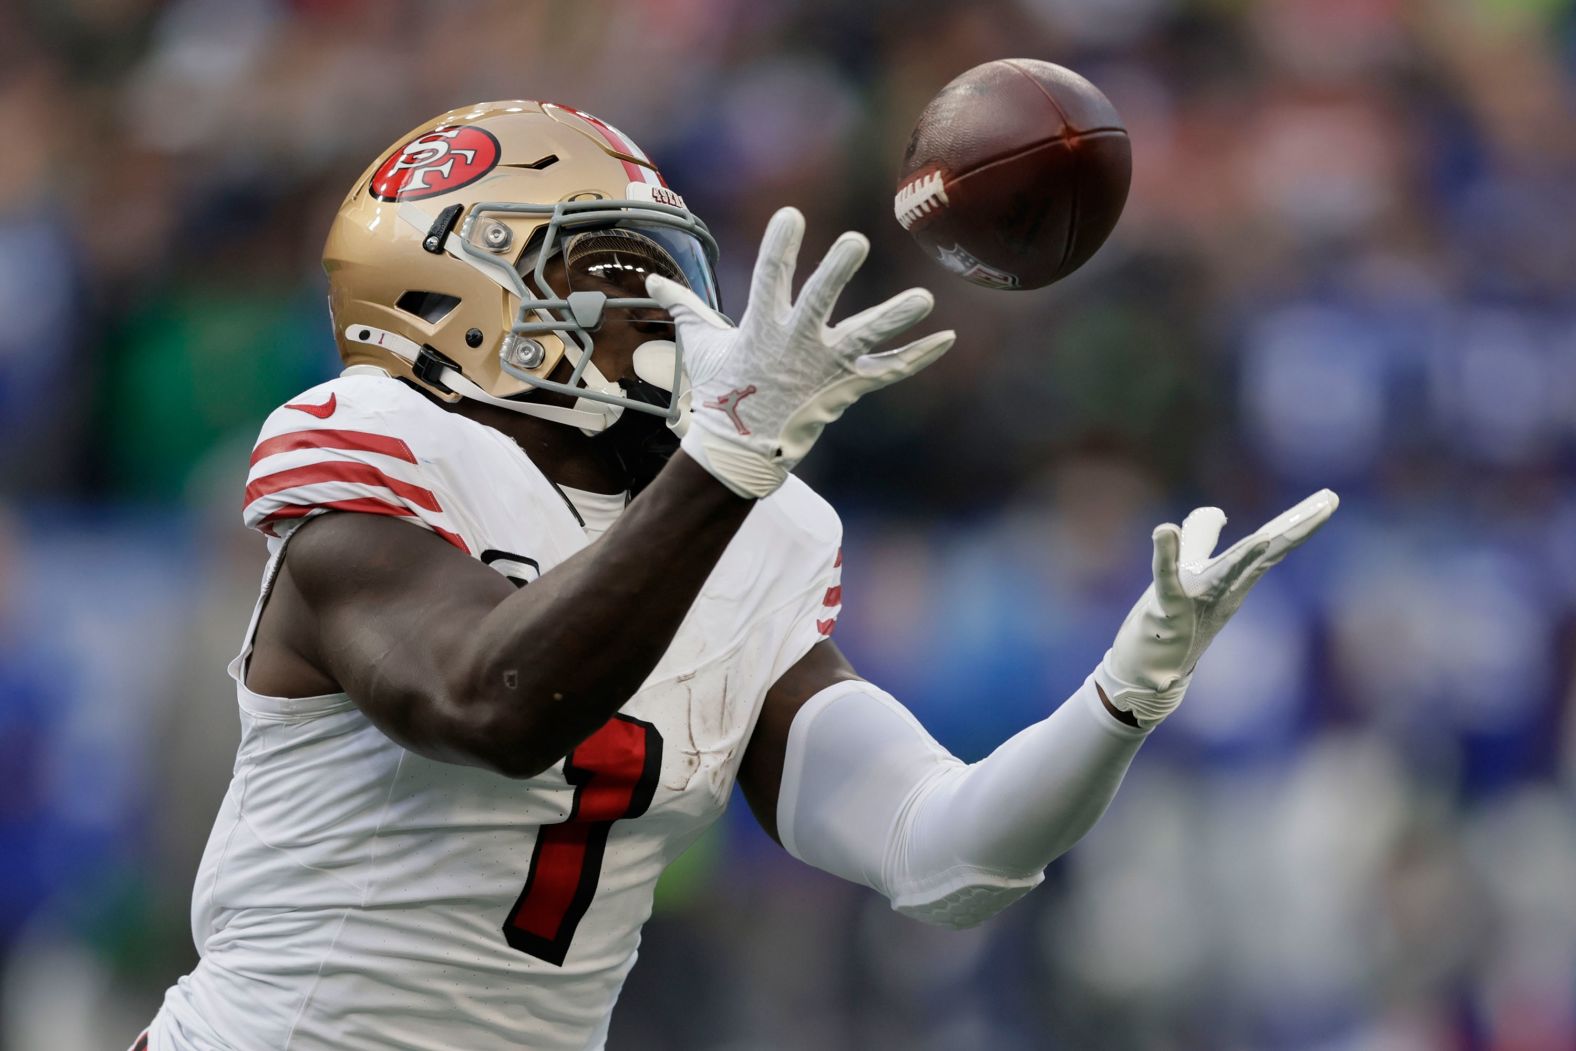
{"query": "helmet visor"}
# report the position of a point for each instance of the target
(616, 259)
(625, 255)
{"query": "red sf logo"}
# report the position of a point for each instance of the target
(443, 159)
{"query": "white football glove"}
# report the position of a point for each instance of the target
(1147, 668)
(762, 392)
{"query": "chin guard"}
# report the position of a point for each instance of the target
(656, 363)
(642, 442)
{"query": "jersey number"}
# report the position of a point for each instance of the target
(614, 772)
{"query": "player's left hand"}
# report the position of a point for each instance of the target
(1147, 668)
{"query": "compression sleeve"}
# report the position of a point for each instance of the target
(868, 795)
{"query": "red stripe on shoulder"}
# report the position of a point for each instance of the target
(362, 505)
(329, 438)
(834, 596)
(839, 560)
(340, 471)
(825, 626)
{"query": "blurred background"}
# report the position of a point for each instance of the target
(1347, 260)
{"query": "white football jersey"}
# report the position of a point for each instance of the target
(355, 895)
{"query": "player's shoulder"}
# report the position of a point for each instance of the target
(369, 413)
(368, 401)
(360, 442)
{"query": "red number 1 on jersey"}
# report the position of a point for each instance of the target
(614, 772)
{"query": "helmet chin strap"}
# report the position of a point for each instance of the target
(594, 420)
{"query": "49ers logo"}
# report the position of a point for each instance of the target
(443, 159)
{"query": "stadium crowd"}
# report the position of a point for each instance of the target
(1347, 260)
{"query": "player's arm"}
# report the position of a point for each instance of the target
(449, 660)
(848, 781)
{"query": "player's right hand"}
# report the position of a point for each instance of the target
(1147, 668)
(762, 392)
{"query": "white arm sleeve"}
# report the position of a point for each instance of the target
(868, 795)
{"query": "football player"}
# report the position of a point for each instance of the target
(486, 697)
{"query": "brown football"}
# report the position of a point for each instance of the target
(1015, 174)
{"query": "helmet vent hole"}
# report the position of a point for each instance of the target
(431, 307)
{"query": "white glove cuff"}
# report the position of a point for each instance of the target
(743, 470)
(1147, 706)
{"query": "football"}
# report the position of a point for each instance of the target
(1015, 174)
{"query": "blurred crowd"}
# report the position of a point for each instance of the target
(1348, 259)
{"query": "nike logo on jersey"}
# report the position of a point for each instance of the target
(322, 412)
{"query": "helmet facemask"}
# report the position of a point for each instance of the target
(606, 249)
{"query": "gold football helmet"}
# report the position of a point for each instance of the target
(438, 261)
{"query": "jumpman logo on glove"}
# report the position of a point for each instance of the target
(729, 403)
